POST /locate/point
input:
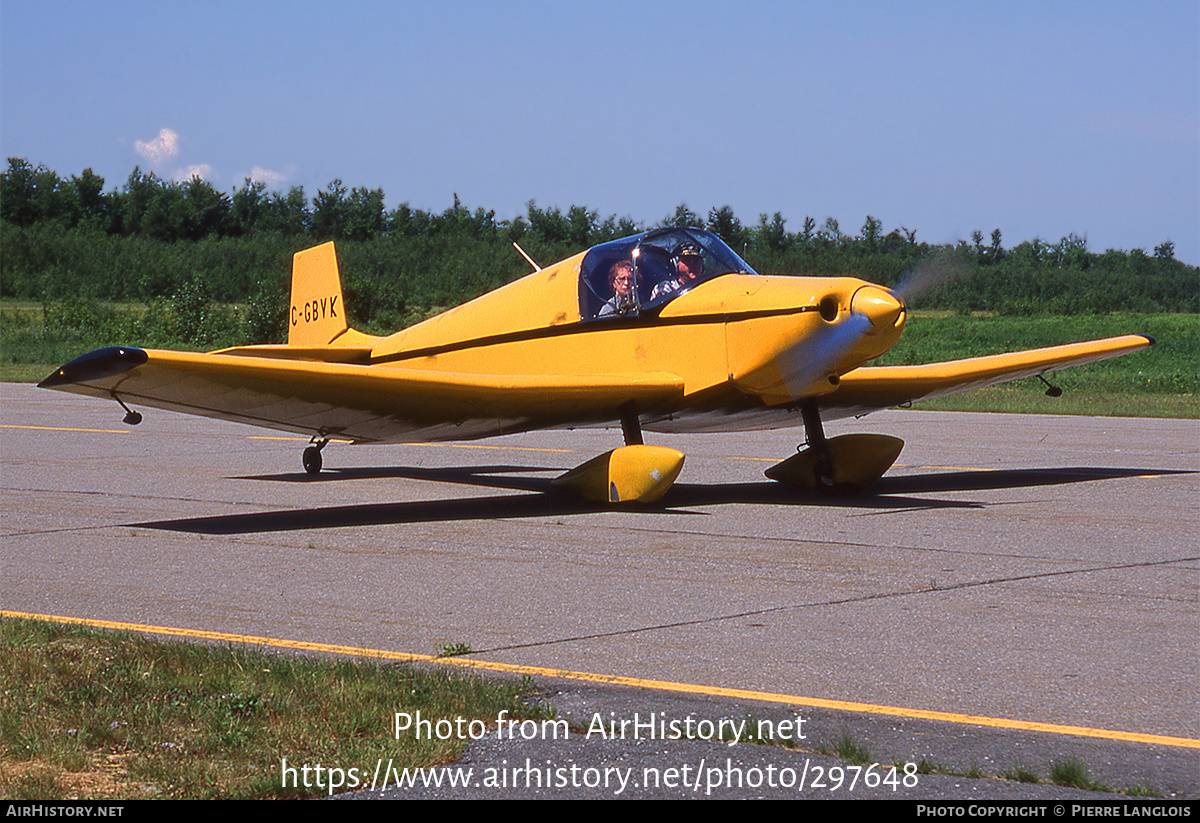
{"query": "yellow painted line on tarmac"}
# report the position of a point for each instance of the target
(612, 680)
(986, 469)
(64, 429)
(898, 465)
(502, 448)
(433, 445)
(292, 439)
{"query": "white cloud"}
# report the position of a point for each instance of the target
(201, 170)
(266, 176)
(161, 148)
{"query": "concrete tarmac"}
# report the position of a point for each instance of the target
(1038, 568)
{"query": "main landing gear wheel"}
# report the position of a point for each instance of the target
(312, 456)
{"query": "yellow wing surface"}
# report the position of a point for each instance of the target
(380, 403)
(355, 402)
(877, 387)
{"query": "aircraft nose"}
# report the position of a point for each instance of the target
(879, 305)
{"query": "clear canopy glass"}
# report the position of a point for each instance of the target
(638, 275)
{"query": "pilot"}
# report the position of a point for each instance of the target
(689, 264)
(623, 284)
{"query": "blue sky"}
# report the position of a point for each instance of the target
(1041, 119)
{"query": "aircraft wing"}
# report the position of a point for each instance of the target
(878, 387)
(355, 402)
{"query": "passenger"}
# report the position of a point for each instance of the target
(621, 281)
(689, 264)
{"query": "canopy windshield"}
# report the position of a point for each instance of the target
(639, 275)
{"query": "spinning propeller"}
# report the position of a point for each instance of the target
(844, 341)
(935, 270)
(855, 322)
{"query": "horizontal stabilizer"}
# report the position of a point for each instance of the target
(320, 354)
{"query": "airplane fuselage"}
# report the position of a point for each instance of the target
(738, 341)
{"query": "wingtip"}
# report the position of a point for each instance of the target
(96, 365)
(1151, 340)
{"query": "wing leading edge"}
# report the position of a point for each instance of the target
(355, 402)
(878, 387)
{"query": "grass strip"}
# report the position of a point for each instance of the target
(94, 714)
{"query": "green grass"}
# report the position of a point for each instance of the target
(37, 339)
(1142, 791)
(454, 649)
(1162, 381)
(1072, 772)
(851, 750)
(1021, 775)
(86, 713)
(1027, 397)
(26, 372)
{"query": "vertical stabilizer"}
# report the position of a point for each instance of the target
(317, 313)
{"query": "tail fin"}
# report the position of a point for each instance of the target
(317, 314)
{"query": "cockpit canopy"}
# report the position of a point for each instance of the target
(641, 274)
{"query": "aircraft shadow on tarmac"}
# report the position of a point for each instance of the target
(889, 494)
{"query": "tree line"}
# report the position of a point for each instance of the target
(151, 239)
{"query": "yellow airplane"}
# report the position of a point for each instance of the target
(668, 330)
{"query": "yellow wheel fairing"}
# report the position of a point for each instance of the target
(640, 474)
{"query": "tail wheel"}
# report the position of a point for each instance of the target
(312, 460)
(312, 455)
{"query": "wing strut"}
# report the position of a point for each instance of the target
(815, 434)
(630, 426)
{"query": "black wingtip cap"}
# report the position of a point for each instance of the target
(96, 365)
